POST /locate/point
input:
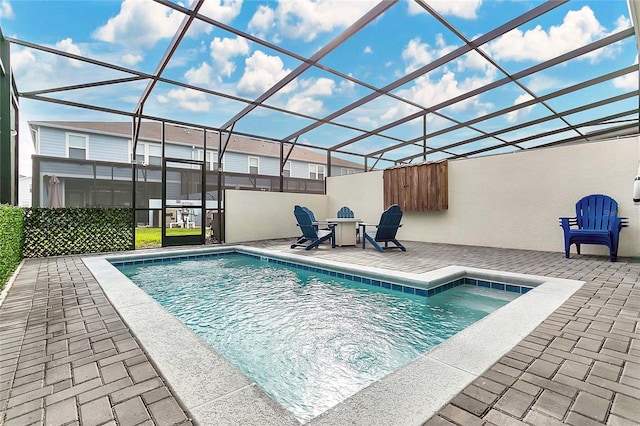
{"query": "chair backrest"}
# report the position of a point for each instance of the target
(596, 211)
(389, 223)
(310, 213)
(305, 223)
(345, 212)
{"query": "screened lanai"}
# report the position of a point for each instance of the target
(376, 83)
(532, 104)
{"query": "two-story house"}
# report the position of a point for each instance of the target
(90, 164)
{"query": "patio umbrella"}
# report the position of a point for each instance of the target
(55, 196)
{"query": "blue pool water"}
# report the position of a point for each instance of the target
(307, 339)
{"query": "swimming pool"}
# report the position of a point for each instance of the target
(310, 337)
(214, 391)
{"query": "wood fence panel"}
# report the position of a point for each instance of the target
(417, 187)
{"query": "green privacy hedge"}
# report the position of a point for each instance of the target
(10, 241)
(76, 230)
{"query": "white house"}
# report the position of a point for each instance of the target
(91, 162)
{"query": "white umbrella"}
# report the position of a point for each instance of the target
(55, 196)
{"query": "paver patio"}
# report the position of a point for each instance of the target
(66, 357)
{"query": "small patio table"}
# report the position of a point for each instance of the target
(345, 230)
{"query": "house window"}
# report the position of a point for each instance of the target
(254, 163)
(140, 153)
(212, 160)
(316, 171)
(148, 154)
(215, 166)
(154, 154)
(344, 171)
(77, 146)
(286, 170)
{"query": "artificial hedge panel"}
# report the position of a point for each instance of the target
(10, 241)
(76, 230)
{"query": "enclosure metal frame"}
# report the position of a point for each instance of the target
(621, 121)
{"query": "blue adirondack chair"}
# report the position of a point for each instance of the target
(311, 236)
(345, 212)
(596, 222)
(316, 224)
(385, 231)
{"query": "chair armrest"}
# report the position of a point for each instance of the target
(364, 225)
(367, 224)
(328, 224)
(566, 222)
(618, 223)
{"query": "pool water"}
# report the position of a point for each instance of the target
(307, 339)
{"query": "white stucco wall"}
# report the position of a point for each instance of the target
(510, 200)
(361, 192)
(513, 200)
(255, 215)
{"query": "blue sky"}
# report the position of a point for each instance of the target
(135, 34)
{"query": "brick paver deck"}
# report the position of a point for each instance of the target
(66, 357)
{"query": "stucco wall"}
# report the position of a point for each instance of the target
(510, 200)
(513, 200)
(361, 192)
(255, 215)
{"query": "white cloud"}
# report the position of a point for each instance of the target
(307, 101)
(224, 49)
(368, 49)
(22, 61)
(579, 28)
(416, 54)
(472, 61)
(627, 81)
(346, 86)
(262, 21)
(131, 59)
(304, 104)
(68, 46)
(622, 23)
(200, 76)
(542, 83)
(6, 11)
(428, 91)
(261, 72)
(467, 9)
(140, 23)
(318, 87)
(224, 11)
(368, 122)
(188, 99)
(306, 19)
(522, 113)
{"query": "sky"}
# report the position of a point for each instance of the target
(134, 34)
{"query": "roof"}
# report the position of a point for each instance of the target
(454, 82)
(151, 131)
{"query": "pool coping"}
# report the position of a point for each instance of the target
(216, 392)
